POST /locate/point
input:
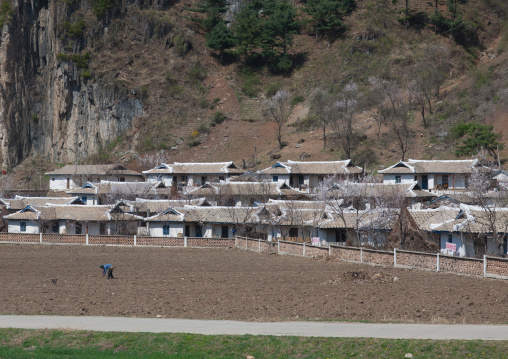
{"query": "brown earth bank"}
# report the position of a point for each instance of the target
(235, 285)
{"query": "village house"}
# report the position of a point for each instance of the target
(111, 192)
(307, 175)
(245, 193)
(432, 174)
(466, 231)
(73, 176)
(67, 219)
(200, 222)
(372, 195)
(192, 174)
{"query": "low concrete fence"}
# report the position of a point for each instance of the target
(487, 267)
(86, 239)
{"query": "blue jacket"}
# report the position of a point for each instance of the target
(106, 267)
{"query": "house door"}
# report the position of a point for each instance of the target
(225, 232)
(187, 230)
(199, 231)
(425, 182)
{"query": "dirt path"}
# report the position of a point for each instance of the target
(235, 285)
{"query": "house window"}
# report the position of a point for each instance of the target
(83, 199)
(450, 238)
(301, 180)
(122, 179)
(293, 232)
(55, 228)
(275, 178)
(397, 179)
(165, 230)
(102, 229)
(22, 226)
(79, 228)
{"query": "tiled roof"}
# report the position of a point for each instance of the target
(430, 219)
(262, 189)
(374, 190)
(197, 168)
(74, 213)
(20, 202)
(313, 167)
(158, 206)
(93, 170)
(432, 166)
(379, 220)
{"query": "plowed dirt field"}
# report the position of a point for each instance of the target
(235, 284)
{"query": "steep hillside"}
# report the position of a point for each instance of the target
(102, 80)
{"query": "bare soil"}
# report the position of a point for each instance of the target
(234, 284)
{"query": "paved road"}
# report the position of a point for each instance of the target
(229, 327)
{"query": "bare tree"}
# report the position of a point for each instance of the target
(344, 110)
(279, 111)
(321, 105)
(150, 160)
(393, 106)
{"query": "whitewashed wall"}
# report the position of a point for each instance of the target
(31, 227)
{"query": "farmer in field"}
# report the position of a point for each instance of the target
(107, 268)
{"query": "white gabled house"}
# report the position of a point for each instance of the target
(192, 174)
(432, 174)
(308, 174)
(66, 219)
(72, 176)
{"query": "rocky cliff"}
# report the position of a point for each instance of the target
(49, 106)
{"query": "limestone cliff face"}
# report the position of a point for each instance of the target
(46, 107)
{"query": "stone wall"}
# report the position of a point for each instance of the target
(461, 265)
(497, 266)
(160, 241)
(417, 260)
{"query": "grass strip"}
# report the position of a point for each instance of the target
(24, 343)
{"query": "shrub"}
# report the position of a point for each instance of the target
(203, 128)
(101, 6)
(144, 92)
(194, 143)
(219, 117)
(5, 12)
(271, 89)
(197, 73)
(296, 100)
(76, 29)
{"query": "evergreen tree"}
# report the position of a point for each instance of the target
(220, 38)
(213, 10)
(328, 15)
(247, 30)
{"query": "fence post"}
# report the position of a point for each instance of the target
(484, 265)
(246, 242)
(259, 245)
(395, 257)
(278, 246)
(185, 241)
(304, 249)
(86, 240)
(437, 269)
(361, 255)
(40, 237)
(329, 249)
(135, 240)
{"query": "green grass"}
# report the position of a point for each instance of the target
(18, 343)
